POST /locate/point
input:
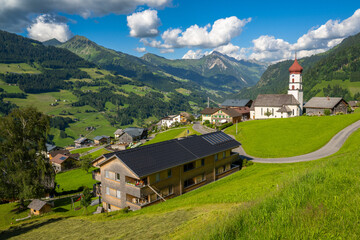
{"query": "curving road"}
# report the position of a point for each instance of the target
(330, 148)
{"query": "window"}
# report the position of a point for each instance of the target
(118, 194)
(293, 80)
(273, 112)
(293, 87)
(169, 173)
(189, 182)
(107, 190)
(215, 157)
(107, 174)
(157, 177)
(189, 166)
(262, 111)
(117, 177)
(202, 162)
(293, 111)
(224, 154)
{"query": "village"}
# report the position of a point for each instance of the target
(131, 176)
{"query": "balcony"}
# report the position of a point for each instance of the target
(135, 182)
(233, 168)
(96, 175)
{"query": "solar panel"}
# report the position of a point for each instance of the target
(217, 138)
(62, 158)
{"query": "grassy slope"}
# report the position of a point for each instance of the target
(172, 134)
(353, 87)
(289, 137)
(317, 199)
(73, 179)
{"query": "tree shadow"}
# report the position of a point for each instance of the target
(60, 209)
(14, 231)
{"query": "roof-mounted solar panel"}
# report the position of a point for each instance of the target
(217, 138)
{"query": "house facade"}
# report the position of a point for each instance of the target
(318, 105)
(171, 120)
(102, 139)
(132, 134)
(82, 142)
(223, 115)
(143, 176)
(62, 162)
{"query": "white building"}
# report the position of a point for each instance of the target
(281, 105)
(170, 120)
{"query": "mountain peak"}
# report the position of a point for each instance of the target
(51, 42)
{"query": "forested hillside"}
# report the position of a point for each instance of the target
(333, 73)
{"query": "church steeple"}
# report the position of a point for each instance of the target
(295, 82)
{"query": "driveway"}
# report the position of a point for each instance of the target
(202, 129)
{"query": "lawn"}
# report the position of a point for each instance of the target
(289, 137)
(82, 150)
(97, 153)
(317, 199)
(172, 134)
(74, 179)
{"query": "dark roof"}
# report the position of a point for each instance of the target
(81, 140)
(323, 102)
(354, 103)
(134, 132)
(37, 204)
(231, 112)
(101, 137)
(210, 110)
(235, 102)
(50, 147)
(275, 100)
(156, 157)
(66, 153)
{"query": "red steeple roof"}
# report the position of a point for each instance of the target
(295, 68)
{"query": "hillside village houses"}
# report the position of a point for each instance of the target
(281, 105)
(139, 177)
(318, 105)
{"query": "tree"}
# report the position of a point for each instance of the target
(268, 113)
(86, 163)
(25, 170)
(86, 198)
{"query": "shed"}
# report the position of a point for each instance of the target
(317, 105)
(38, 207)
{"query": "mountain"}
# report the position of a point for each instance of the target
(332, 73)
(213, 70)
(51, 42)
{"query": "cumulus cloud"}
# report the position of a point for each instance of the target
(169, 50)
(15, 15)
(209, 36)
(233, 51)
(193, 54)
(140, 49)
(144, 24)
(46, 27)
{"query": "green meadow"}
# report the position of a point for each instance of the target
(354, 87)
(289, 137)
(318, 199)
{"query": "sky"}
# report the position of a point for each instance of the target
(267, 31)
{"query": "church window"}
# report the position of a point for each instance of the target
(293, 112)
(293, 87)
(293, 80)
(273, 112)
(262, 111)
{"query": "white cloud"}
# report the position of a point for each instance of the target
(140, 49)
(15, 14)
(233, 51)
(169, 50)
(193, 54)
(144, 24)
(220, 33)
(46, 27)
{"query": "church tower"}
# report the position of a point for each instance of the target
(295, 83)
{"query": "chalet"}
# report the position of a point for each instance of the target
(354, 104)
(64, 152)
(102, 139)
(222, 115)
(62, 162)
(140, 177)
(275, 106)
(317, 105)
(170, 120)
(38, 207)
(50, 147)
(82, 142)
(132, 134)
(118, 133)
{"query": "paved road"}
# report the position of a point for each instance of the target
(202, 129)
(330, 148)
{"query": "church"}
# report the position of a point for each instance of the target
(281, 105)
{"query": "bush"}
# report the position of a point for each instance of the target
(327, 112)
(225, 125)
(247, 163)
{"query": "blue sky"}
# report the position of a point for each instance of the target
(261, 30)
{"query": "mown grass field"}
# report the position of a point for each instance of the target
(172, 134)
(289, 137)
(318, 199)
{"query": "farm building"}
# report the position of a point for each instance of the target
(62, 162)
(132, 134)
(102, 139)
(317, 105)
(38, 207)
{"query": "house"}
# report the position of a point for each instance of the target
(147, 175)
(236, 103)
(102, 139)
(62, 162)
(38, 207)
(222, 115)
(354, 104)
(170, 120)
(132, 134)
(50, 147)
(82, 142)
(64, 152)
(118, 133)
(281, 105)
(317, 105)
